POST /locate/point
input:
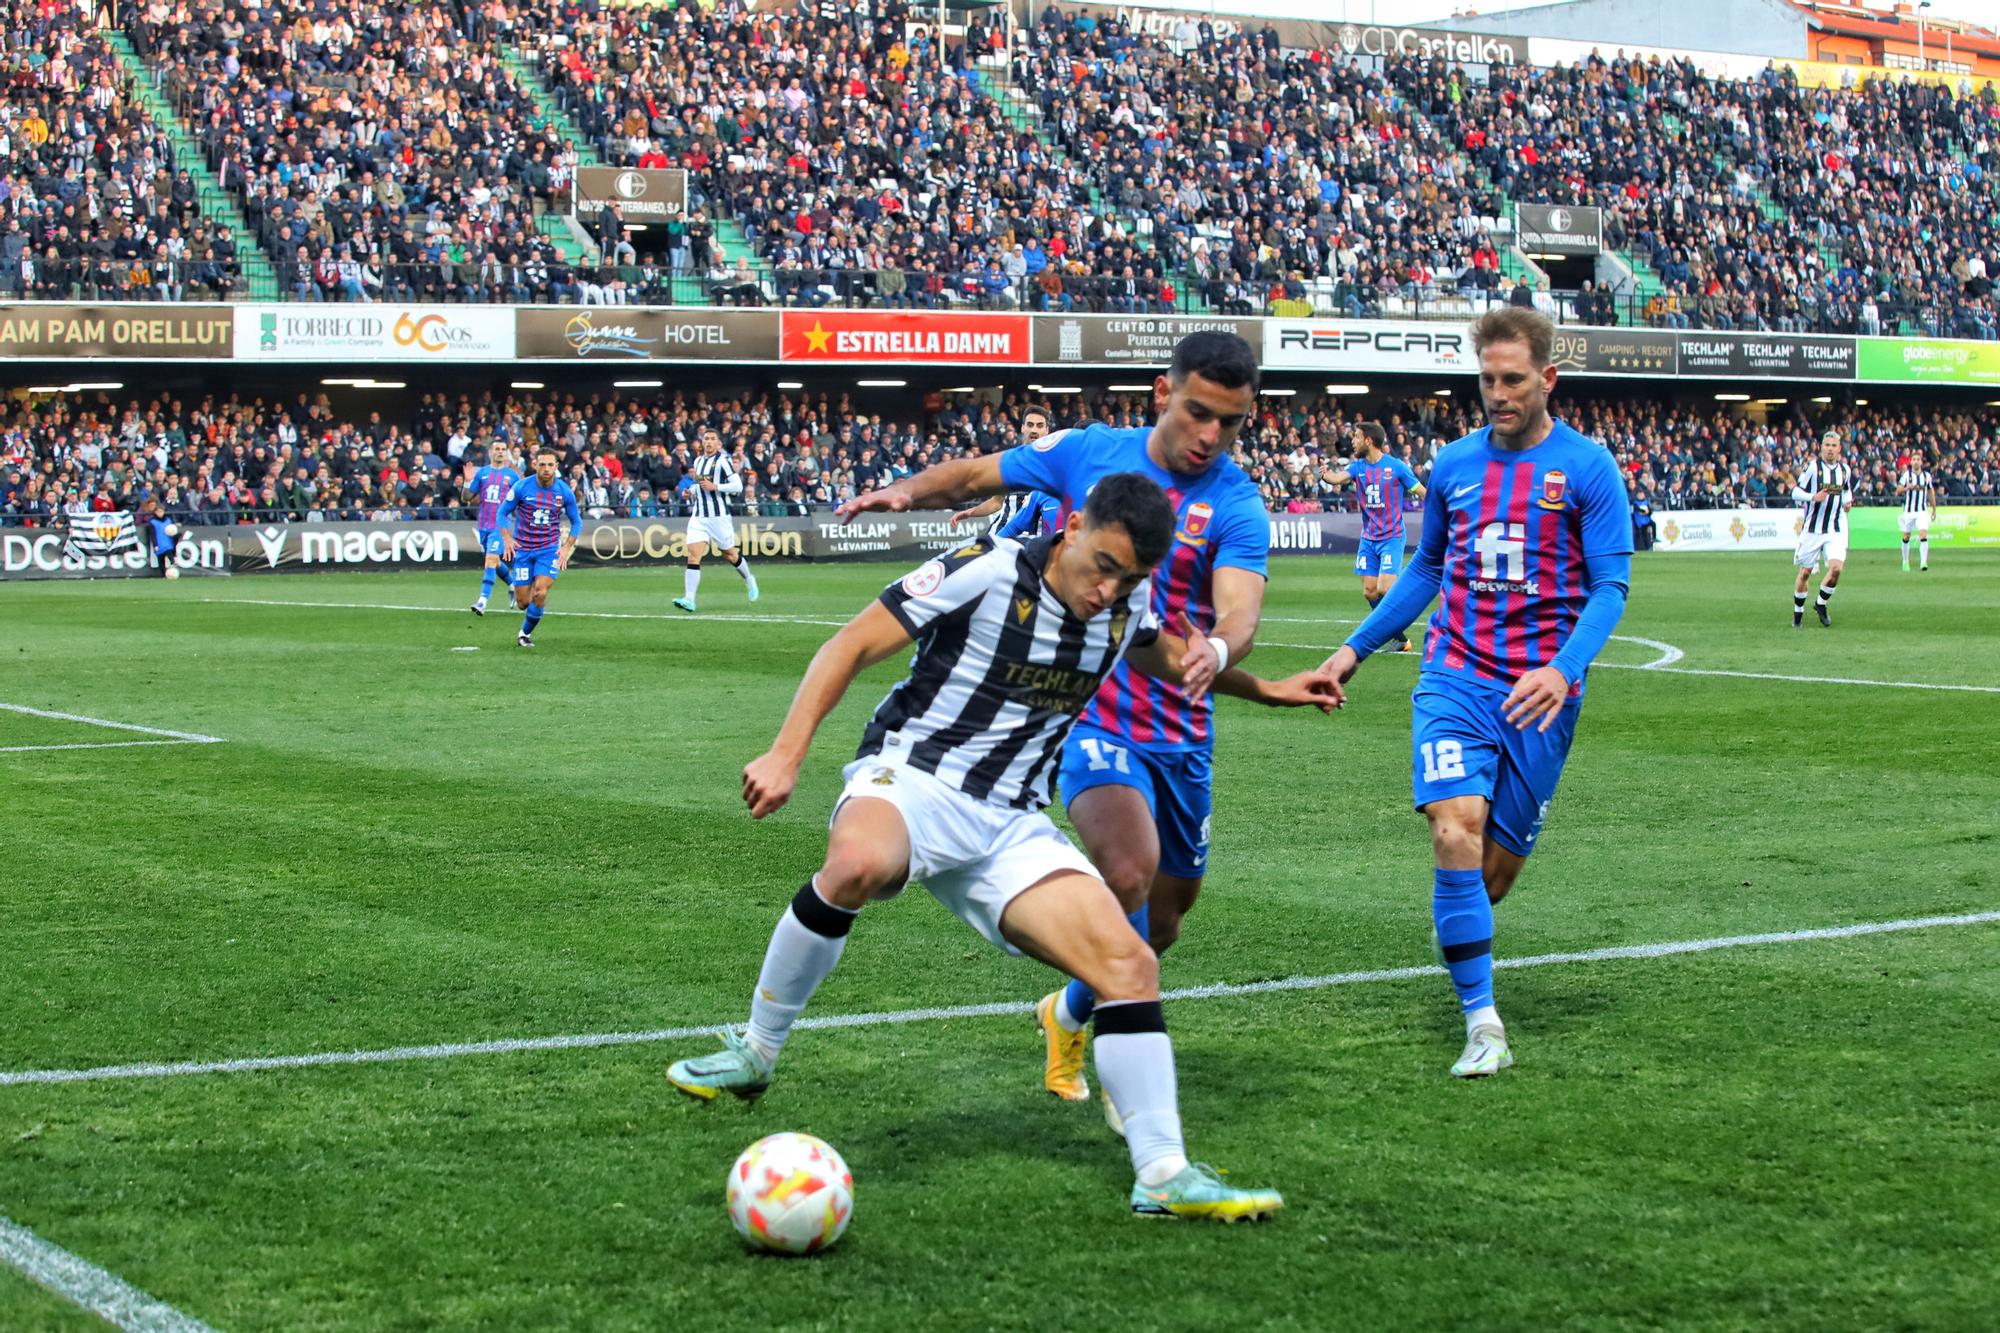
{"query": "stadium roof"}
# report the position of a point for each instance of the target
(1902, 26)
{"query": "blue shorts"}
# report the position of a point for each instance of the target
(1379, 557)
(532, 565)
(1175, 783)
(493, 542)
(1461, 744)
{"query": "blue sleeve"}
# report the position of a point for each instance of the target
(508, 506)
(569, 507)
(1606, 511)
(1046, 464)
(1414, 590)
(1243, 539)
(1026, 518)
(1608, 577)
(1355, 467)
(1409, 476)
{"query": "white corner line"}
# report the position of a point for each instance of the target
(1002, 1008)
(93, 745)
(189, 737)
(103, 1293)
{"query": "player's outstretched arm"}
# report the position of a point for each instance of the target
(1304, 689)
(941, 487)
(984, 509)
(872, 637)
(1190, 662)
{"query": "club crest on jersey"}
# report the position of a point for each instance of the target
(884, 777)
(1554, 483)
(1119, 616)
(1023, 608)
(924, 580)
(1195, 524)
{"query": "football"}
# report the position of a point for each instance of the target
(790, 1194)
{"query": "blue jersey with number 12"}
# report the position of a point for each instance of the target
(1220, 522)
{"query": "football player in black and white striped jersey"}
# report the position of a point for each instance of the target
(1012, 640)
(1919, 491)
(716, 481)
(1826, 489)
(999, 510)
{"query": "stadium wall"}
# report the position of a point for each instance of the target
(301, 548)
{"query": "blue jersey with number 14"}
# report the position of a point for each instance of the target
(1220, 522)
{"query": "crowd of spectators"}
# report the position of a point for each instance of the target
(388, 150)
(237, 459)
(377, 151)
(1762, 204)
(1251, 172)
(93, 205)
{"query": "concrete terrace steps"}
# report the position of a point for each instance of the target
(260, 277)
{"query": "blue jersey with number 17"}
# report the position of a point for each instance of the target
(1220, 523)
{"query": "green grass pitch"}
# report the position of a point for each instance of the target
(401, 844)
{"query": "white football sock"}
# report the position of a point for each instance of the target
(1486, 1016)
(1137, 1071)
(797, 961)
(690, 580)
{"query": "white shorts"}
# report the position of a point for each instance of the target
(719, 533)
(1817, 546)
(974, 857)
(1917, 522)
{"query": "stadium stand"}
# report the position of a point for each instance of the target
(238, 460)
(93, 204)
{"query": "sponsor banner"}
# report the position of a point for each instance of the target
(1929, 361)
(1725, 529)
(1123, 340)
(651, 194)
(43, 553)
(884, 337)
(1558, 229)
(1828, 74)
(1298, 34)
(314, 332)
(289, 547)
(126, 332)
(1767, 356)
(1962, 526)
(1653, 354)
(646, 334)
(1368, 345)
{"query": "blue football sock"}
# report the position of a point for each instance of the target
(1464, 921)
(1078, 998)
(531, 619)
(486, 584)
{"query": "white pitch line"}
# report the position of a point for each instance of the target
(92, 745)
(1667, 662)
(1003, 1008)
(190, 737)
(696, 619)
(103, 1293)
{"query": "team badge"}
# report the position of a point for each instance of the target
(884, 777)
(1023, 608)
(1119, 616)
(1554, 483)
(924, 580)
(1195, 524)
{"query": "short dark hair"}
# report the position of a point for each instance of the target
(546, 449)
(1135, 502)
(1375, 433)
(1513, 323)
(1220, 358)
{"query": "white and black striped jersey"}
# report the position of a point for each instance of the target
(1922, 494)
(1001, 670)
(717, 468)
(1012, 503)
(1830, 514)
